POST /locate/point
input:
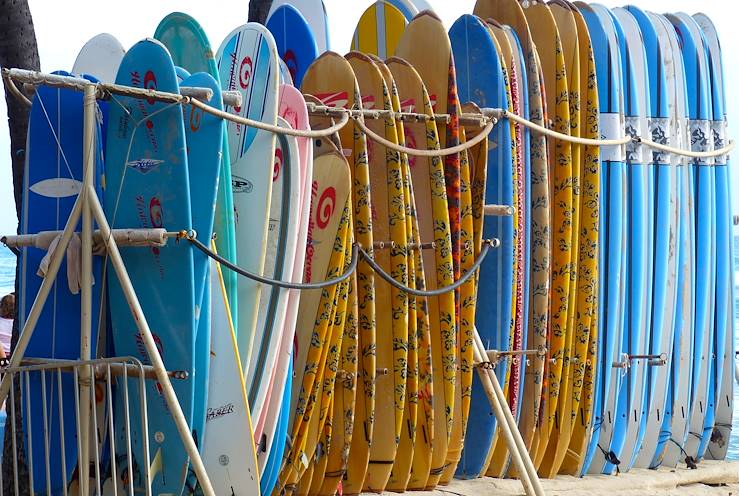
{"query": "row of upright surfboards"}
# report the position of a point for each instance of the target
(615, 265)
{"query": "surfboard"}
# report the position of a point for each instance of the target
(295, 41)
(497, 459)
(379, 30)
(718, 445)
(411, 8)
(699, 109)
(190, 49)
(228, 452)
(203, 135)
(629, 407)
(280, 258)
(321, 342)
(472, 41)
(436, 68)
(388, 216)
(293, 111)
(546, 37)
(320, 427)
(720, 288)
(664, 201)
(432, 216)
(675, 423)
(589, 274)
(419, 339)
(155, 193)
(100, 56)
(510, 12)
(52, 181)
(332, 81)
(314, 12)
(247, 62)
(611, 296)
(271, 469)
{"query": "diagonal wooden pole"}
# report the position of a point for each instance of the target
(507, 424)
(156, 359)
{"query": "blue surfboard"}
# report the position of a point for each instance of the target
(52, 181)
(634, 337)
(274, 462)
(148, 187)
(481, 80)
(296, 43)
(664, 225)
(611, 296)
(724, 355)
(700, 113)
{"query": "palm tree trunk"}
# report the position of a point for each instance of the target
(18, 48)
(258, 10)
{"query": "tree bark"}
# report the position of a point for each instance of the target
(18, 48)
(258, 10)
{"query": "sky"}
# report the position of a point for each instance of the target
(62, 27)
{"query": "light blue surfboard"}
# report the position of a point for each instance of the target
(274, 462)
(204, 135)
(296, 43)
(190, 49)
(635, 337)
(675, 423)
(611, 295)
(664, 225)
(147, 187)
(700, 113)
(52, 181)
(719, 439)
(481, 80)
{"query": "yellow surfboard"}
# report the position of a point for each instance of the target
(436, 68)
(510, 13)
(576, 339)
(546, 38)
(413, 462)
(388, 227)
(331, 79)
(588, 275)
(379, 30)
(427, 174)
(418, 319)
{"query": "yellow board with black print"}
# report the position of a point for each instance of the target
(331, 79)
(435, 382)
(546, 37)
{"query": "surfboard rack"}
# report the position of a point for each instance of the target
(653, 360)
(102, 369)
(496, 356)
(123, 237)
(479, 120)
(89, 211)
(109, 455)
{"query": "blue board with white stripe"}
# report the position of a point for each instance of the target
(52, 181)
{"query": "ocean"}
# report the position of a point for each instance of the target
(7, 273)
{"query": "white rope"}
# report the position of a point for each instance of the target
(318, 133)
(426, 153)
(565, 137)
(688, 153)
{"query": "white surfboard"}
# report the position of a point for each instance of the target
(228, 451)
(100, 57)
